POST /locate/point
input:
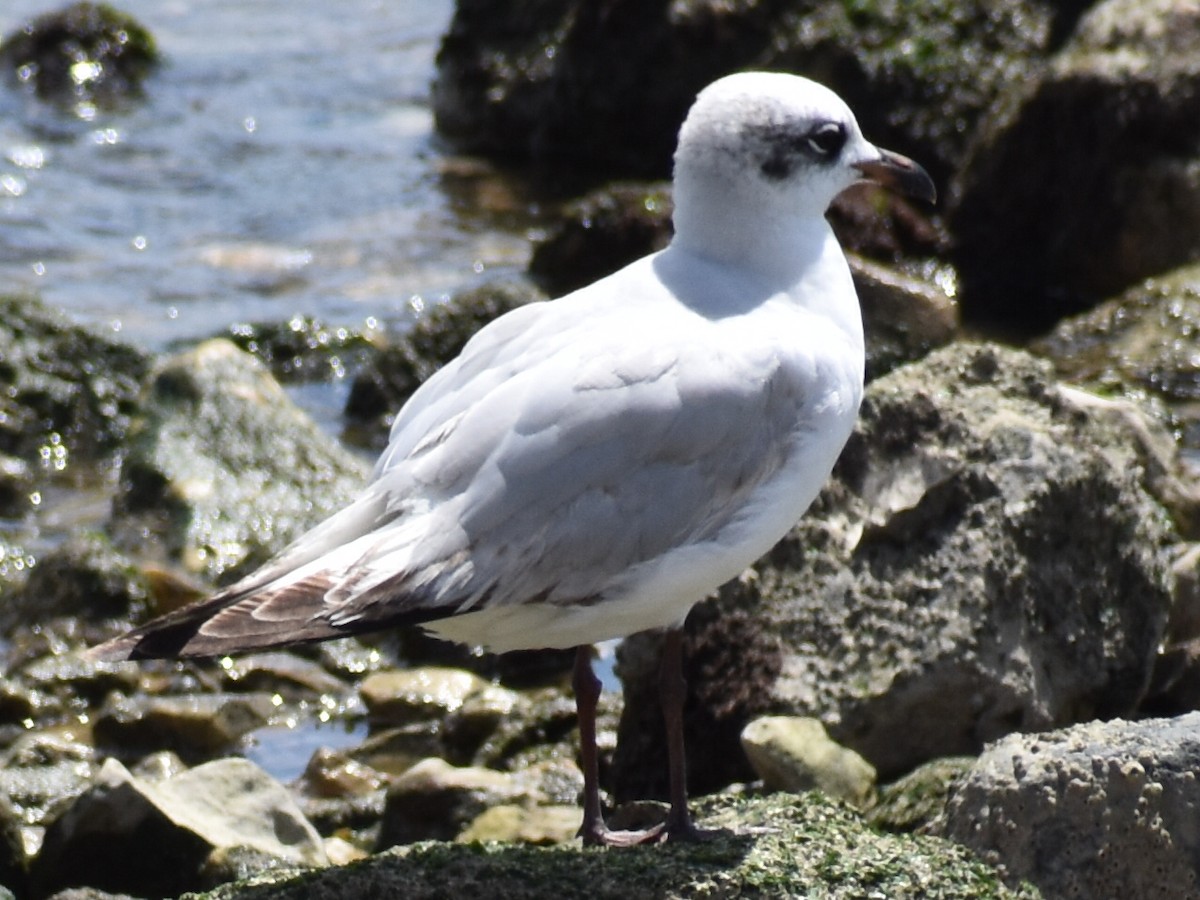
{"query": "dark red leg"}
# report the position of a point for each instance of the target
(673, 692)
(594, 831)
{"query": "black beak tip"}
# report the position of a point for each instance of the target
(901, 174)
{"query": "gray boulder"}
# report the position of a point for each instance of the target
(223, 468)
(155, 838)
(1087, 177)
(1105, 809)
(987, 559)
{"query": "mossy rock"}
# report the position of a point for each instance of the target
(63, 388)
(83, 52)
(381, 388)
(779, 846)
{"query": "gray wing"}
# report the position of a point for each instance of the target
(533, 478)
(599, 470)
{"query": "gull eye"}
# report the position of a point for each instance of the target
(827, 140)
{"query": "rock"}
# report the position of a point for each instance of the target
(84, 578)
(14, 859)
(602, 232)
(223, 468)
(15, 565)
(155, 839)
(791, 753)
(537, 81)
(945, 590)
(84, 53)
(1139, 345)
(1046, 224)
(436, 801)
(1175, 685)
(18, 701)
(396, 750)
(196, 726)
(1104, 809)
(306, 349)
(334, 773)
(39, 773)
(1184, 623)
(73, 682)
(479, 718)
(65, 390)
(912, 802)
(904, 317)
(379, 390)
(544, 727)
(405, 696)
(518, 825)
(290, 676)
(777, 846)
(16, 487)
(870, 220)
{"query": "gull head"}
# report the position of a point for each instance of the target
(778, 145)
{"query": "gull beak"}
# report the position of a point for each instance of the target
(899, 173)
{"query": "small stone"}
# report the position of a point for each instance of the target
(429, 692)
(195, 726)
(791, 753)
(435, 800)
(511, 823)
(333, 773)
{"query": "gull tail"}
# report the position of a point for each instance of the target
(229, 622)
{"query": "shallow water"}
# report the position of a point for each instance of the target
(281, 162)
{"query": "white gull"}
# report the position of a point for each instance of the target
(593, 466)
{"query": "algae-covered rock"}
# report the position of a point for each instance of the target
(1086, 177)
(1140, 344)
(305, 348)
(63, 389)
(223, 468)
(380, 390)
(779, 846)
(85, 577)
(537, 80)
(601, 232)
(85, 52)
(915, 800)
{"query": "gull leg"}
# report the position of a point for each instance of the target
(587, 696)
(594, 831)
(673, 691)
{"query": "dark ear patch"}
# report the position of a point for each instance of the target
(779, 164)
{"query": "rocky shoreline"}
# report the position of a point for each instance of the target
(970, 671)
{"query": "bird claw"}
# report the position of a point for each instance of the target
(685, 832)
(603, 836)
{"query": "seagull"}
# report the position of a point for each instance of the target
(593, 466)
